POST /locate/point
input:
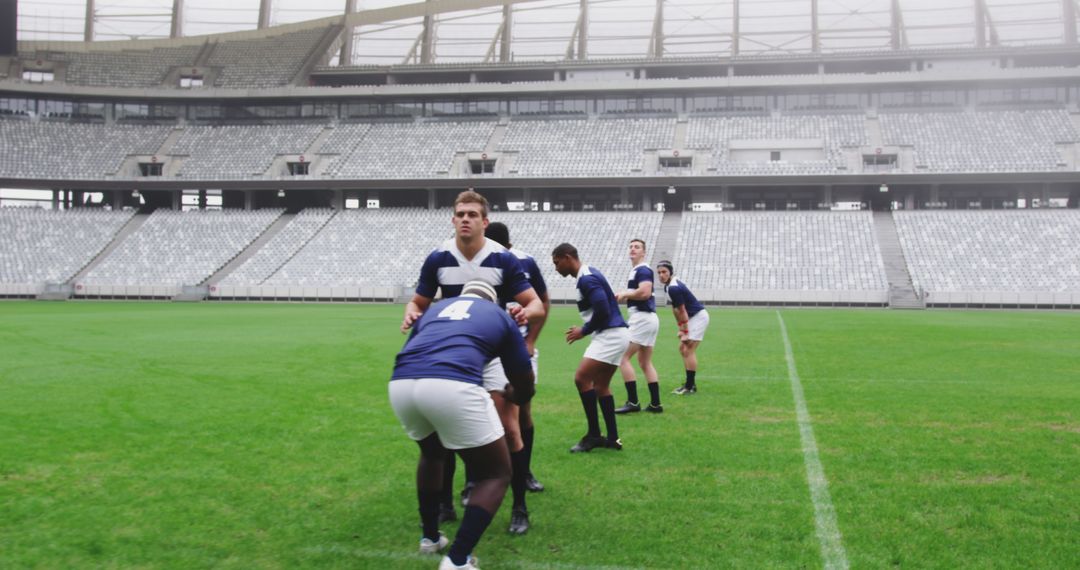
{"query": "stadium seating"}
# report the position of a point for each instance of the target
(1003, 250)
(984, 141)
(601, 238)
(366, 247)
(280, 248)
(403, 150)
(266, 62)
(180, 248)
(128, 68)
(51, 246)
(233, 152)
(45, 149)
(836, 131)
(792, 251)
(594, 147)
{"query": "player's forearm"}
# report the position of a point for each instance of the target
(639, 294)
(535, 328)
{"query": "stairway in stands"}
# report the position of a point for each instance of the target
(668, 239)
(901, 291)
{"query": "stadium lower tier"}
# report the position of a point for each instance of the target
(1018, 257)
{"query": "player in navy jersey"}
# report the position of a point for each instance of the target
(467, 256)
(519, 418)
(437, 394)
(644, 326)
(600, 311)
(692, 319)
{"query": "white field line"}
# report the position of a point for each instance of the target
(832, 547)
(434, 560)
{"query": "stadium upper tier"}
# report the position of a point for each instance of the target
(1041, 140)
(219, 61)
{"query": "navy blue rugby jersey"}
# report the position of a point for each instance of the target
(680, 294)
(641, 273)
(596, 302)
(456, 338)
(447, 268)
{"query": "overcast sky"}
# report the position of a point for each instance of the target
(542, 29)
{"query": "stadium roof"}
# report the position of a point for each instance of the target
(393, 32)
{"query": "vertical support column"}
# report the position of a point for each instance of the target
(935, 192)
(346, 55)
(202, 199)
(432, 198)
(88, 27)
(1069, 16)
(507, 37)
(337, 201)
(980, 24)
(176, 30)
(583, 30)
(177, 200)
(815, 33)
(264, 13)
(895, 25)
(826, 196)
(735, 29)
(56, 199)
(427, 39)
(117, 200)
(1044, 195)
(249, 200)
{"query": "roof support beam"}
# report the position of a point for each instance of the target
(656, 43)
(88, 28)
(506, 37)
(345, 58)
(583, 30)
(176, 29)
(264, 13)
(897, 32)
(983, 22)
(427, 38)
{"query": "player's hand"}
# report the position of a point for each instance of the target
(410, 318)
(622, 296)
(573, 334)
(684, 337)
(517, 312)
(508, 392)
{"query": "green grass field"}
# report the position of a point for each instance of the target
(155, 435)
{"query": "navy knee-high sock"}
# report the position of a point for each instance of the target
(448, 479)
(429, 513)
(473, 525)
(654, 393)
(527, 435)
(631, 391)
(588, 401)
(517, 478)
(607, 406)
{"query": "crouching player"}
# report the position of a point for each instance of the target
(438, 396)
(692, 319)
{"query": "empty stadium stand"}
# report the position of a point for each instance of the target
(174, 248)
(45, 149)
(574, 147)
(233, 152)
(742, 256)
(1018, 257)
(51, 246)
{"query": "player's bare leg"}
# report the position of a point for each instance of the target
(491, 465)
(626, 368)
(509, 413)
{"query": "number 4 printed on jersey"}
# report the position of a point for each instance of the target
(456, 311)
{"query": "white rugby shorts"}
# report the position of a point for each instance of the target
(609, 345)
(644, 327)
(461, 413)
(697, 325)
(495, 376)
